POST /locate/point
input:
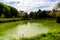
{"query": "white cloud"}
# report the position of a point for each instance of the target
(32, 5)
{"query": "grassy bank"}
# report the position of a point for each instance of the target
(48, 36)
(3, 20)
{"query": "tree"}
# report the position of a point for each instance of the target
(57, 11)
(13, 12)
(25, 15)
(57, 6)
(38, 14)
(31, 14)
(53, 13)
(1, 8)
(8, 11)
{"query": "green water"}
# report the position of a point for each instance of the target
(16, 30)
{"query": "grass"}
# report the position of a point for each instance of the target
(3, 20)
(47, 36)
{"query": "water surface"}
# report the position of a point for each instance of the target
(30, 29)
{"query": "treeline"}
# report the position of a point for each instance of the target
(37, 15)
(41, 14)
(11, 12)
(7, 11)
(54, 13)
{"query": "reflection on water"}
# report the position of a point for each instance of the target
(31, 29)
(25, 30)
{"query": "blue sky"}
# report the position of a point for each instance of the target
(31, 5)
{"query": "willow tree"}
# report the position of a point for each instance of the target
(57, 8)
(55, 11)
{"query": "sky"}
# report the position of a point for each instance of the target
(31, 5)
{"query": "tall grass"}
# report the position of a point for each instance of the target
(48, 36)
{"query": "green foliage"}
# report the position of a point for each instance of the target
(31, 14)
(8, 11)
(53, 13)
(25, 15)
(39, 14)
(13, 11)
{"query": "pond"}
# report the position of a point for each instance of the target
(27, 29)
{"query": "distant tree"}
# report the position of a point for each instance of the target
(57, 6)
(8, 11)
(31, 14)
(21, 13)
(13, 12)
(25, 15)
(1, 8)
(42, 14)
(38, 13)
(53, 13)
(57, 12)
(47, 14)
